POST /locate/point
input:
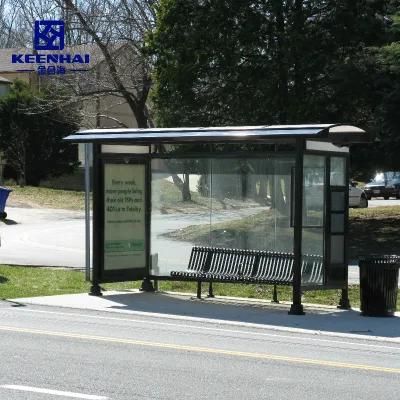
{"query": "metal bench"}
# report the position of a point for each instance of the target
(214, 264)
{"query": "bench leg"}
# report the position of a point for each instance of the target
(199, 289)
(275, 296)
(210, 290)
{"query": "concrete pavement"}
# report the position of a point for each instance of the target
(40, 236)
(319, 320)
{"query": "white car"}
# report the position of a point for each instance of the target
(357, 197)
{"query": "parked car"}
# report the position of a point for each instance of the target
(357, 197)
(314, 196)
(384, 184)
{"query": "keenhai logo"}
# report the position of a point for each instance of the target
(49, 36)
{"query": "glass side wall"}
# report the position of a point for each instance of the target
(313, 212)
(231, 203)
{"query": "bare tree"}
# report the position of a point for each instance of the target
(118, 29)
(113, 32)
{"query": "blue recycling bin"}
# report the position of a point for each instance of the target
(4, 192)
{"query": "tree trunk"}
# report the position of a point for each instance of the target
(186, 195)
(183, 186)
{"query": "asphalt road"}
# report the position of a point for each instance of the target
(50, 353)
(57, 237)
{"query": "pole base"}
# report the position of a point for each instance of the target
(147, 286)
(95, 290)
(296, 309)
(344, 304)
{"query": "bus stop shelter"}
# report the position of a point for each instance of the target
(158, 193)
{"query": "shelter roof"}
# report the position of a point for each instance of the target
(335, 133)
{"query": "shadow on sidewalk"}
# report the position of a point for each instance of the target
(263, 313)
(9, 221)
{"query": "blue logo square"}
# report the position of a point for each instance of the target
(49, 35)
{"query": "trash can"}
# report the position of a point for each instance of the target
(4, 192)
(379, 277)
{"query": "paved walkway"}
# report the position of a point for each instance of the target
(224, 310)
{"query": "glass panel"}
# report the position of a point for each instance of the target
(338, 171)
(312, 244)
(181, 212)
(313, 241)
(337, 223)
(314, 189)
(251, 204)
(232, 203)
(337, 201)
(337, 249)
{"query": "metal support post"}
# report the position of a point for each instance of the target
(95, 289)
(297, 308)
(87, 210)
(344, 302)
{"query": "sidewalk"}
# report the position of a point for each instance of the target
(319, 320)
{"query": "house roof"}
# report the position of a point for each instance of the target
(5, 80)
(336, 133)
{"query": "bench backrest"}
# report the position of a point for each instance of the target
(275, 266)
(255, 264)
(232, 262)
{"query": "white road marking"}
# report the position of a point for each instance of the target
(53, 392)
(232, 331)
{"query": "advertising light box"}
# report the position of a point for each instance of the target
(124, 217)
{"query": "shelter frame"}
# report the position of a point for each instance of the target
(328, 140)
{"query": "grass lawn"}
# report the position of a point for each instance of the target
(19, 281)
(38, 197)
(374, 231)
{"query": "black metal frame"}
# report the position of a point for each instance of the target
(99, 273)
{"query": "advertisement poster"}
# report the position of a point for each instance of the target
(124, 217)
